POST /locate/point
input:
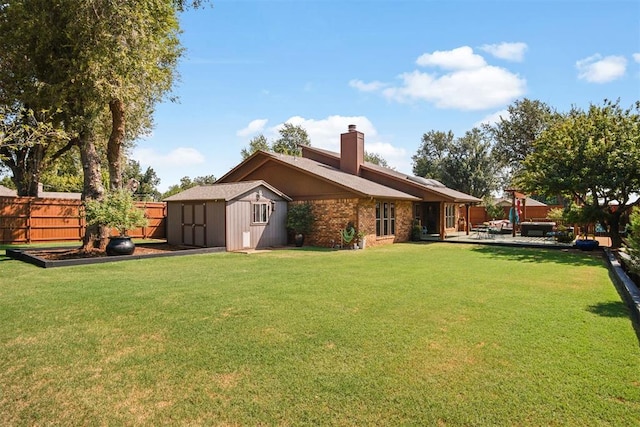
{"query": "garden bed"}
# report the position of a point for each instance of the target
(62, 257)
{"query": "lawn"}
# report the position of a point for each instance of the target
(410, 334)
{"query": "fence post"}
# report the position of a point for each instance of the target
(28, 230)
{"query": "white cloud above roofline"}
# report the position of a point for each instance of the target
(507, 51)
(599, 69)
(254, 127)
(456, 79)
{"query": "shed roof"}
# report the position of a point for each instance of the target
(224, 191)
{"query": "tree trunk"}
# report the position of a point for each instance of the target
(94, 236)
(614, 229)
(114, 147)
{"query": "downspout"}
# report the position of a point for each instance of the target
(442, 220)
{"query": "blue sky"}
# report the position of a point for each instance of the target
(396, 69)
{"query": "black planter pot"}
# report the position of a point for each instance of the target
(586, 244)
(120, 245)
(299, 239)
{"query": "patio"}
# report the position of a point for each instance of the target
(486, 238)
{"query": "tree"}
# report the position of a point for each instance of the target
(88, 61)
(515, 134)
(376, 159)
(465, 164)
(633, 240)
(258, 142)
(147, 181)
(186, 183)
(65, 175)
(592, 157)
(291, 137)
(469, 165)
(29, 144)
(435, 146)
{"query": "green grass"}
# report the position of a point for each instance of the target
(424, 334)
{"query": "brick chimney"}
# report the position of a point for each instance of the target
(351, 151)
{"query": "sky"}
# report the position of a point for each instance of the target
(395, 69)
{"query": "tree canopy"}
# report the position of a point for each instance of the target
(147, 181)
(591, 157)
(376, 159)
(258, 142)
(427, 162)
(291, 137)
(514, 135)
(186, 183)
(100, 65)
(465, 164)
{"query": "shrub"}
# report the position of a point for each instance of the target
(300, 218)
(633, 240)
(117, 210)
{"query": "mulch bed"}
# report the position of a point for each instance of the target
(76, 253)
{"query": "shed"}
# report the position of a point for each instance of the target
(239, 215)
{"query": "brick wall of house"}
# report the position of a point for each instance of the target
(404, 221)
(333, 215)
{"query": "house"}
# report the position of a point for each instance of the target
(7, 192)
(239, 215)
(380, 202)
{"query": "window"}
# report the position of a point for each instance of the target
(385, 219)
(450, 215)
(260, 213)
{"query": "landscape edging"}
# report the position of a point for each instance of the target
(625, 285)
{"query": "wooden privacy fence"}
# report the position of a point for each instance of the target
(478, 214)
(33, 220)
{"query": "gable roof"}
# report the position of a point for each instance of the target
(353, 183)
(226, 192)
(430, 185)
(528, 201)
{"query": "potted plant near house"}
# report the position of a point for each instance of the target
(117, 210)
(362, 239)
(300, 221)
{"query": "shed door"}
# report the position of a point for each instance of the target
(194, 227)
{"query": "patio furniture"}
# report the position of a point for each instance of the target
(536, 229)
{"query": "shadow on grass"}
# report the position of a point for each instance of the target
(559, 256)
(609, 309)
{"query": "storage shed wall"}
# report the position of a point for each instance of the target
(240, 221)
(211, 235)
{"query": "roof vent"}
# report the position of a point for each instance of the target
(352, 128)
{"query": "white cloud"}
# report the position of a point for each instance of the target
(508, 51)
(492, 118)
(636, 57)
(461, 58)
(254, 127)
(476, 89)
(373, 86)
(596, 69)
(467, 82)
(325, 134)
